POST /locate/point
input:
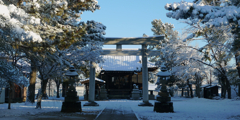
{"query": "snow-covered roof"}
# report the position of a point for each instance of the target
(96, 79)
(123, 63)
(209, 86)
(166, 73)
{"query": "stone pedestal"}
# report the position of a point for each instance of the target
(103, 93)
(71, 102)
(151, 96)
(163, 103)
(163, 107)
(135, 94)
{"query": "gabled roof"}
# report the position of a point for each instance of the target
(123, 63)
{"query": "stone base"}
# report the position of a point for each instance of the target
(91, 104)
(145, 104)
(163, 99)
(151, 97)
(135, 96)
(163, 107)
(71, 107)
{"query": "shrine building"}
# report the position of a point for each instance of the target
(121, 72)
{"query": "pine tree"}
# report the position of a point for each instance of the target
(212, 16)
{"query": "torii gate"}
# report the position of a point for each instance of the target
(144, 41)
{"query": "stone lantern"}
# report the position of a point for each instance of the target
(71, 102)
(163, 103)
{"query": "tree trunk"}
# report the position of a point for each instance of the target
(191, 92)
(228, 89)
(31, 87)
(57, 81)
(49, 88)
(238, 68)
(198, 90)
(58, 85)
(223, 93)
(182, 91)
(63, 89)
(44, 89)
(189, 87)
(223, 87)
(10, 94)
(41, 93)
(39, 99)
(239, 90)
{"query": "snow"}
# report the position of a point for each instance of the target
(164, 73)
(16, 18)
(123, 63)
(215, 15)
(184, 109)
(97, 79)
(151, 86)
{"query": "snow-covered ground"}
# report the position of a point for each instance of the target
(184, 109)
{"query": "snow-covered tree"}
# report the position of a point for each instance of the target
(210, 17)
(38, 26)
(187, 68)
(178, 56)
(11, 75)
(216, 52)
(88, 49)
(166, 29)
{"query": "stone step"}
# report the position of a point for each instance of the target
(119, 96)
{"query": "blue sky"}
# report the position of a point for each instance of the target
(131, 18)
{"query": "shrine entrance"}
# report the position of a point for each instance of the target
(144, 52)
(118, 84)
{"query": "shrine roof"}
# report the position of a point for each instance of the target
(123, 63)
(209, 86)
(87, 80)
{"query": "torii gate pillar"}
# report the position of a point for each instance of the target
(145, 77)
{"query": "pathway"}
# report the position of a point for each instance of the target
(117, 113)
